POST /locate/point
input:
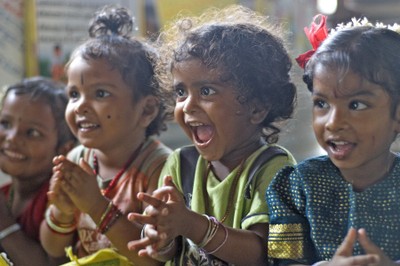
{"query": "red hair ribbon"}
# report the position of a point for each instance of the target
(316, 34)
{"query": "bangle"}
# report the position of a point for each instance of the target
(165, 250)
(56, 226)
(142, 233)
(212, 229)
(223, 242)
(9, 230)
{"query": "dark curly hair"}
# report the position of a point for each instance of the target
(110, 39)
(373, 53)
(51, 93)
(245, 47)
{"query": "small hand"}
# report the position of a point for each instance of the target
(56, 194)
(79, 183)
(163, 216)
(344, 254)
(370, 248)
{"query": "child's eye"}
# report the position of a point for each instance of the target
(321, 104)
(33, 133)
(4, 124)
(356, 105)
(73, 94)
(180, 93)
(102, 93)
(206, 91)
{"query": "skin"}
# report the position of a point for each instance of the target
(353, 123)
(224, 132)
(103, 116)
(28, 142)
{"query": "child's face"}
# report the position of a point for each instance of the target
(28, 137)
(352, 120)
(210, 114)
(100, 111)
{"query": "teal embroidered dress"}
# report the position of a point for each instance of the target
(312, 208)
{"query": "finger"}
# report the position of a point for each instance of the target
(151, 200)
(168, 193)
(168, 181)
(346, 248)
(85, 166)
(370, 248)
(142, 219)
(58, 159)
(362, 260)
(139, 244)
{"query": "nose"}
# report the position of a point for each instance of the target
(190, 104)
(10, 134)
(81, 106)
(336, 120)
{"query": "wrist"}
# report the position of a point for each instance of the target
(193, 220)
(61, 216)
(97, 211)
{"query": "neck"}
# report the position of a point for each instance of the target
(233, 158)
(108, 165)
(364, 177)
(25, 188)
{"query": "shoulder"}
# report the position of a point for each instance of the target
(156, 147)
(153, 156)
(273, 158)
(308, 170)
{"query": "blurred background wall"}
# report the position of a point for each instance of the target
(36, 34)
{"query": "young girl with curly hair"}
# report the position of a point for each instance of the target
(229, 70)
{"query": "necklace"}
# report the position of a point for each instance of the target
(10, 197)
(116, 178)
(231, 191)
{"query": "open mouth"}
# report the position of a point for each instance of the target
(14, 155)
(341, 147)
(202, 133)
(87, 126)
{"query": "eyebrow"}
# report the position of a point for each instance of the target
(200, 83)
(355, 94)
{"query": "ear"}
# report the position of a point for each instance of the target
(66, 147)
(150, 110)
(258, 114)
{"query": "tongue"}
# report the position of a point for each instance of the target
(204, 133)
(342, 149)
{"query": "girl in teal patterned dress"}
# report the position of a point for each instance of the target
(344, 208)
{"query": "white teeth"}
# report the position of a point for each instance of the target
(87, 125)
(195, 124)
(339, 142)
(14, 155)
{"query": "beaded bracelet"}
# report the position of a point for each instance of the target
(109, 217)
(9, 230)
(58, 227)
(110, 205)
(223, 242)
